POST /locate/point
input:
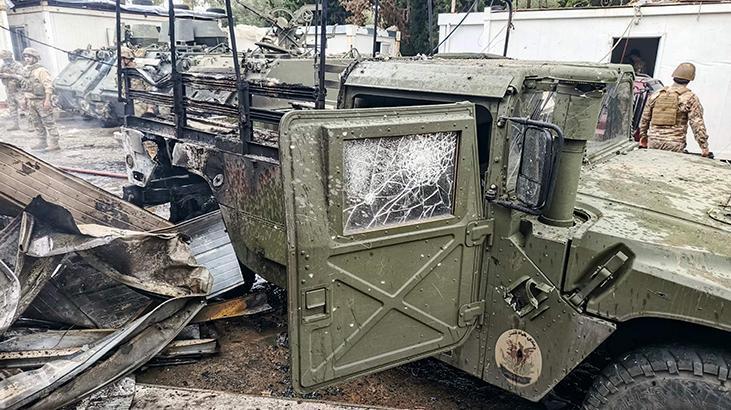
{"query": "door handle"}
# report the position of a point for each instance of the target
(316, 305)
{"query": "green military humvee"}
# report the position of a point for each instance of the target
(491, 212)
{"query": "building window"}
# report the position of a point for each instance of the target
(19, 39)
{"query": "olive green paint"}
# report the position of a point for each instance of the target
(640, 220)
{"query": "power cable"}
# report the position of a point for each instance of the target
(455, 27)
(495, 37)
(71, 53)
(625, 33)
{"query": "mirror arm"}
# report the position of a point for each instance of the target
(536, 123)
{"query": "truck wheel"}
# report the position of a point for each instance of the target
(664, 377)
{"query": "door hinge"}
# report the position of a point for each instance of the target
(477, 231)
(471, 311)
(601, 275)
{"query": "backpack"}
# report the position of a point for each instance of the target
(665, 107)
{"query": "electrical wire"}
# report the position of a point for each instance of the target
(455, 27)
(625, 33)
(71, 53)
(495, 37)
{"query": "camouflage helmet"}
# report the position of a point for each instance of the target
(126, 52)
(30, 51)
(5, 54)
(685, 71)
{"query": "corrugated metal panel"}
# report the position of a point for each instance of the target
(25, 177)
(212, 248)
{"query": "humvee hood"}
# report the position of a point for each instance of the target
(671, 209)
(682, 186)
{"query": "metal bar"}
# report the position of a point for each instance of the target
(321, 68)
(118, 19)
(242, 90)
(375, 28)
(178, 107)
(314, 63)
(510, 25)
(93, 172)
(167, 129)
(430, 11)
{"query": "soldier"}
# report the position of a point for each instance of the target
(667, 113)
(128, 58)
(11, 75)
(128, 61)
(637, 62)
(38, 90)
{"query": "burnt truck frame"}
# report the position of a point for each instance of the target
(465, 207)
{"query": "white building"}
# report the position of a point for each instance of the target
(67, 26)
(665, 35)
(342, 38)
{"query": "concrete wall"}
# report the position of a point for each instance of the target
(69, 29)
(700, 34)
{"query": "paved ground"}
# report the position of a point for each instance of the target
(254, 357)
(85, 145)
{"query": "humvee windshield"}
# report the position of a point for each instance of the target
(615, 118)
(613, 126)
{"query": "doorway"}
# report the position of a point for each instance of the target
(639, 52)
(19, 40)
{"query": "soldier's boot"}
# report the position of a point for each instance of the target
(53, 144)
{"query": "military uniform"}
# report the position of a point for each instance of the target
(665, 119)
(128, 61)
(10, 72)
(37, 88)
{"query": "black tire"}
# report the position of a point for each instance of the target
(664, 377)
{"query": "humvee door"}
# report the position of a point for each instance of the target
(382, 255)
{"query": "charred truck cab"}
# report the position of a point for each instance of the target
(470, 208)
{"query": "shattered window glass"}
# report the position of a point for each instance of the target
(398, 180)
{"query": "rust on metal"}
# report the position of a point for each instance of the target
(241, 306)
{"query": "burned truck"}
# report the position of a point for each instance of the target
(467, 208)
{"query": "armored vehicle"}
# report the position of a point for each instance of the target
(88, 84)
(468, 208)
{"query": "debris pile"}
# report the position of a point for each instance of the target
(83, 305)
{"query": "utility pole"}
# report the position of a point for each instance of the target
(430, 12)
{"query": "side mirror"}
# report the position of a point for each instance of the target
(534, 152)
(536, 167)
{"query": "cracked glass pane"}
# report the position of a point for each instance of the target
(398, 180)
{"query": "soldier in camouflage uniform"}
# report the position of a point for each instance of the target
(38, 90)
(667, 113)
(141, 109)
(11, 74)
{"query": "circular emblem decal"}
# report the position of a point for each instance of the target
(518, 357)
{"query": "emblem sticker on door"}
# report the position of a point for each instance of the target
(518, 357)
